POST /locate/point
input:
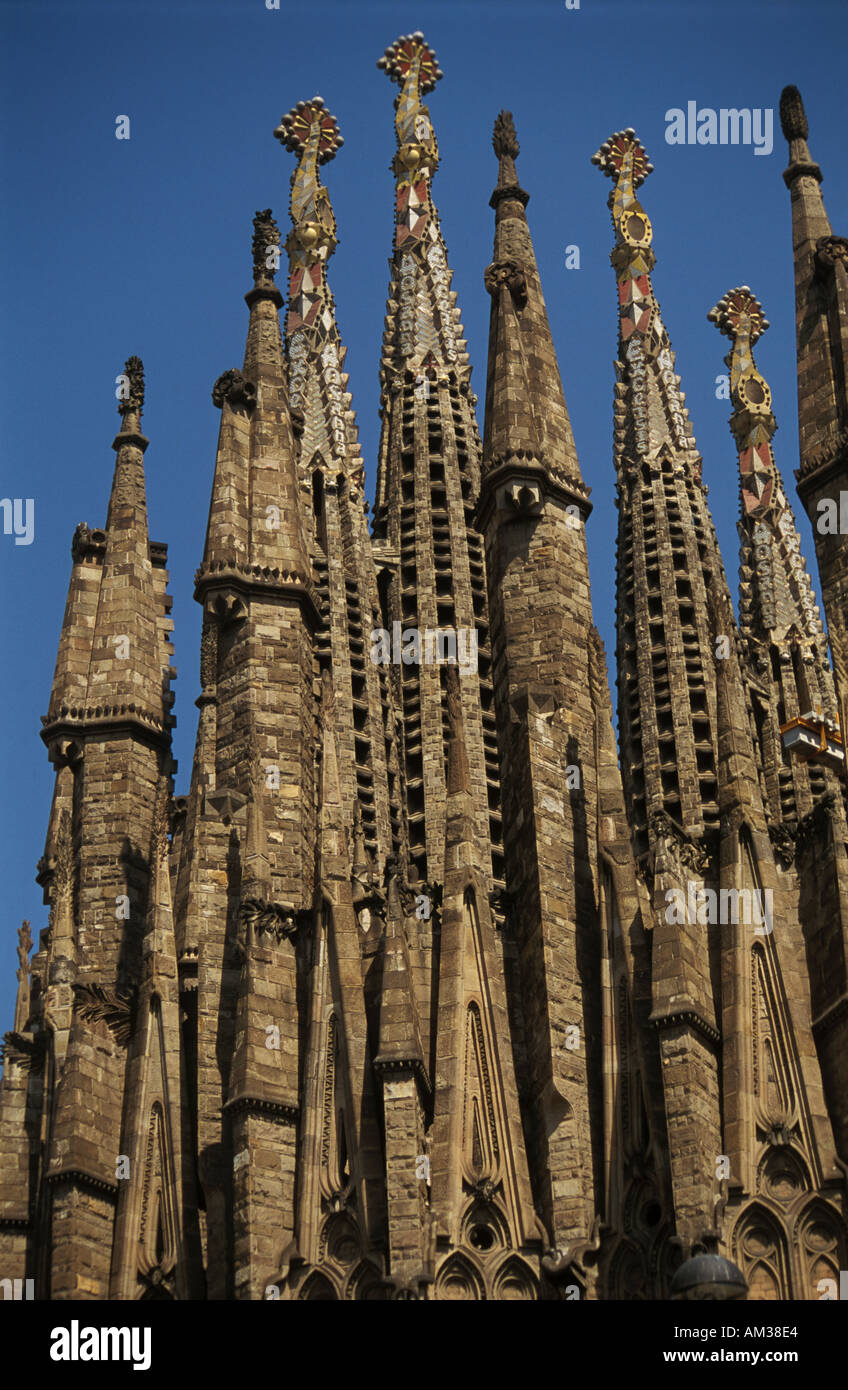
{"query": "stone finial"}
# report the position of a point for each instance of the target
(505, 145)
(24, 948)
(739, 311)
(504, 138)
(793, 118)
(266, 239)
(406, 54)
(309, 120)
(133, 403)
(22, 1000)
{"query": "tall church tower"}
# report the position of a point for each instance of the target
(821, 317)
(737, 948)
(420, 991)
(90, 1194)
(575, 905)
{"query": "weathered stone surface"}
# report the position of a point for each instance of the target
(393, 1003)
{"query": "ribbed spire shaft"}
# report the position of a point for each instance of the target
(667, 551)
(428, 476)
(331, 472)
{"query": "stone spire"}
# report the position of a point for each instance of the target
(667, 550)
(821, 314)
(109, 666)
(429, 554)
(523, 374)
(107, 730)
(667, 560)
(532, 509)
(778, 613)
(248, 851)
(317, 384)
(256, 530)
(332, 477)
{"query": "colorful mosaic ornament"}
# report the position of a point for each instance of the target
(657, 414)
(309, 123)
(740, 317)
(316, 383)
(411, 63)
(785, 601)
(410, 54)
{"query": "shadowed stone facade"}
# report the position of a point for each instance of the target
(422, 990)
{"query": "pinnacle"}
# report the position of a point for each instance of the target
(793, 118)
(735, 308)
(131, 400)
(266, 239)
(504, 138)
(612, 153)
(298, 124)
(399, 57)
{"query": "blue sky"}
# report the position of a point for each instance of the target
(143, 246)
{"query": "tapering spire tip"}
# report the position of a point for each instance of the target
(131, 400)
(266, 246)
(793, 118)
(504, 138)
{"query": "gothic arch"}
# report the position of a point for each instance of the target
(459, 1279)
(340, 1239)
(363, 1283)
(782, 1174)
(484, 1227)
(627, 1278)
(821, 1247)
(515, 1281)
(761, 1251)
(317, 1288)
